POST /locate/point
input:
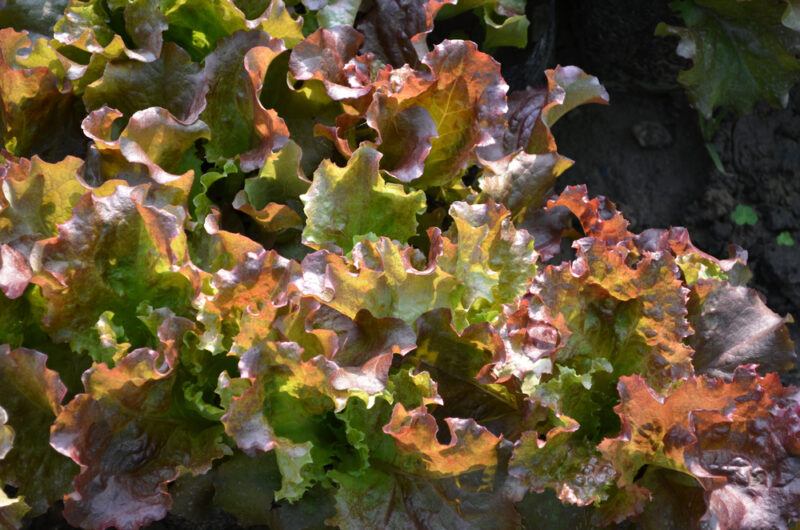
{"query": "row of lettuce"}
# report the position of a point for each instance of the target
(315, 277)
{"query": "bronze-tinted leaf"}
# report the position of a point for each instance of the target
(38, 111)
(130, 439)
(465, 96)
(395, 30)
(733, 326)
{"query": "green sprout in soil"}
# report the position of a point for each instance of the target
(744, 215)
(785, 239)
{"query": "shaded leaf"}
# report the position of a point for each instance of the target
(172, 82)
(245, 487)
(130, 439)
(534, 111)
(239, 124)
(39, 114)
(272, 198)
(295, 106)
(32, 398)
(459, 363)
(733, 326)
(513, 31)
(391, 500)
(395, 30)
(742, 52)
(521, 180)
(37, 16)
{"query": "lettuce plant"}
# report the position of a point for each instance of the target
(245, 260)
(743, 51)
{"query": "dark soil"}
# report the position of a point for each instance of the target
(645, 151)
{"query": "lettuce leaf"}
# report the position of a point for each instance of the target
(395, 30)
(31, 403)
(396, 281)
(132, 401)
(468, 111)
(379, 208)
(743, 52)
(39, 114)
(85, 270)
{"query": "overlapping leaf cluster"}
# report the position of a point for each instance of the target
(248, 261)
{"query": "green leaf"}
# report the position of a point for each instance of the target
(344, 204)
(40, 196)
(32, 399)
(280, 180)
(564, 462)
(785, 239)
(239, 124)
(494, 261)
(284, 409)
(337, 13)
(154, 147)
(12, 510)
(513, 31)
(272, 198)
(743, 52)
(201, 202)
(199, 25)
(139, 255)
(97, 27)
(744, 215)
(482, 263)
(278, 22)
(386, 282)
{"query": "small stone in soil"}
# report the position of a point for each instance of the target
(652, 135)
